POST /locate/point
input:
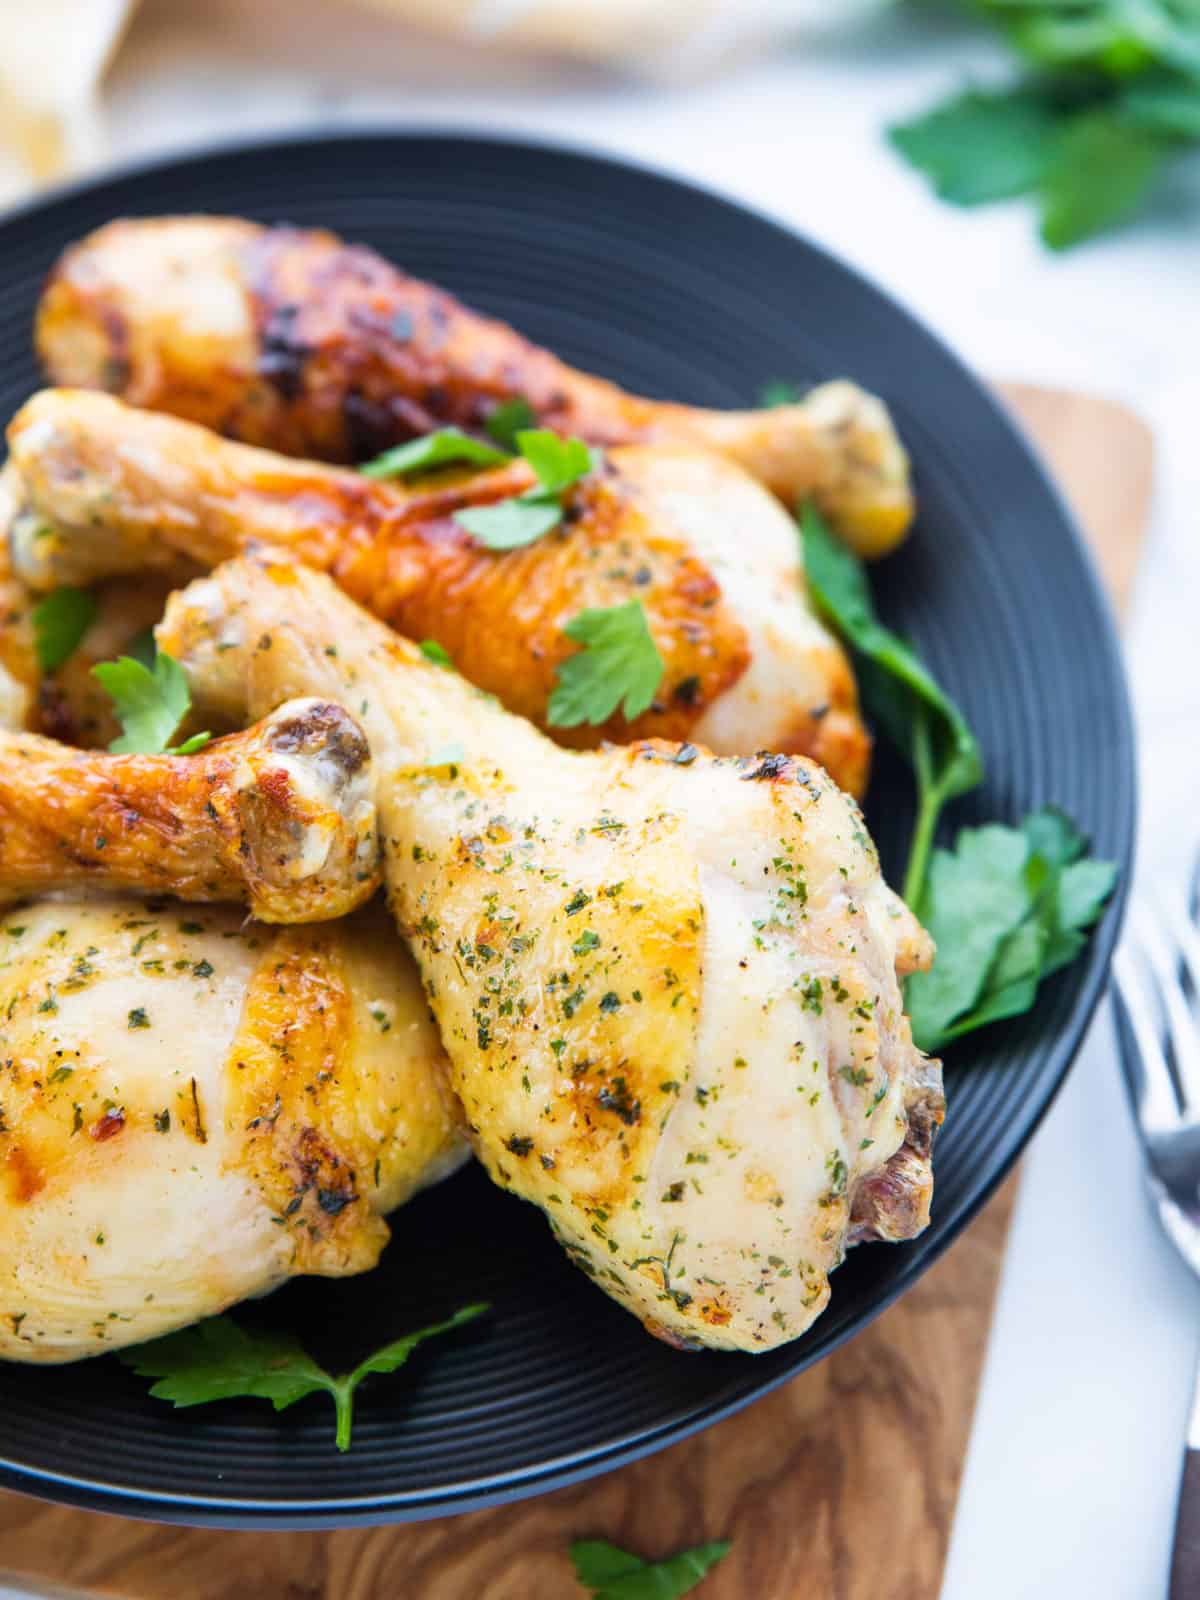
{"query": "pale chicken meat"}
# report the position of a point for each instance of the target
(667, 983)
(296, 340)
(94, 488)
(197, 1108)
(279, 818)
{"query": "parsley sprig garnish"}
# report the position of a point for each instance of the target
(520, 519)
(441, 449)
(510, 524)
(916, 713)
(508, 419)
(619, 665)
(1111, 98)
(614, 1574)
(1007, 906)
(219, 1359)
(150, 703)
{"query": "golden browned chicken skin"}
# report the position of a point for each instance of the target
(296, 340)
(94, 487)
(279, 818)
(667, 984)
(198, 1107)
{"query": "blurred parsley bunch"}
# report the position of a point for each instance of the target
(1112, 95)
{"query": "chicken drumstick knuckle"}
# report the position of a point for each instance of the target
(279, 817)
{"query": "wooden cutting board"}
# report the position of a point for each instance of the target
(839, 1486)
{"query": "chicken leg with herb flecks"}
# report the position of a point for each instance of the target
(667, 983)
(197, 1108)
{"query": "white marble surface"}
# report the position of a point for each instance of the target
(1074, 1462)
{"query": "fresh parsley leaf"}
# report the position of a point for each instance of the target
(1102, 169)
(1083, 884)
(1166, 103)
(618, 666)
(440, 449)
(190, 746)
(558, 462)
(1006, 908)
(142, 647)
(614, 1574)
(59, 624)
(1053, 836)
(510, 524)
(507, 420)
(597, 1562)
(979, 147)
(976, 895)
(1116, 38)
(221, 1360)
(150, 703)
(1083, 889)
(524, 518)
(435, 652)
(779, 392)
(1115, 91)
(897, 689)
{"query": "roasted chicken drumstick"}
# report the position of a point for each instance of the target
(298, 341)
(279, 818)
(197, 1108)
(667, 984)
(95, 488)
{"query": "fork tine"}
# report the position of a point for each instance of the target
(1187, 937)
(1147, 1075)
(1168, 967)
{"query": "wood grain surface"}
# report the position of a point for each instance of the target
(839, 1486)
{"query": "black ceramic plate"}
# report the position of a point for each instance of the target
(671, 292)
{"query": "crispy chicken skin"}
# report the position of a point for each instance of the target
(300, 342)
(197, 1108)
(667, 983)
(94, 488)
(278, 818)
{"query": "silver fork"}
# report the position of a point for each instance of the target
(1157, 1005)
